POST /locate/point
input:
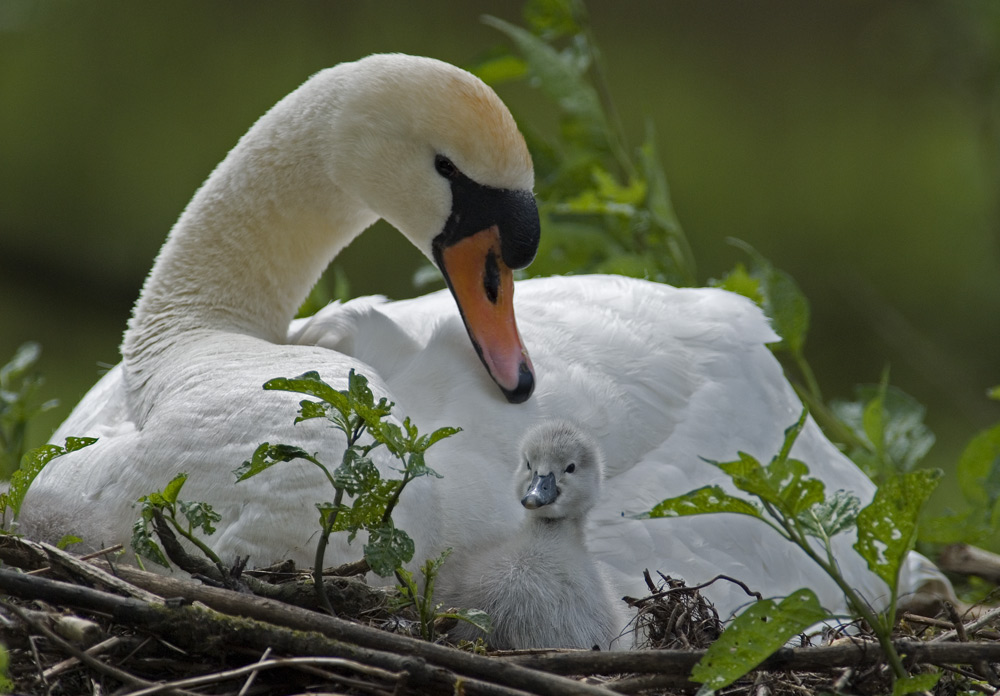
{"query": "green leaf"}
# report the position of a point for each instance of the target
(754, 636)
(560, 78)
(387, 549)
(994, 393)
(783, 483)
(477, 617)
(500, 69)
(917, 683)
(978, 469)
(311, 384)
(174, 488)
(144, 545)
(33, 463)
(741, 282)
(266, 456)
(781, 300)
(832, 516)
(890, 423)
(552, 18)
(706, 500)
(199, 515)
(887, 527)
(68, 540)
(356, 474)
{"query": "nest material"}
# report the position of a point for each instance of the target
(674, 616)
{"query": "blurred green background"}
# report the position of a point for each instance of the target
(855, 144)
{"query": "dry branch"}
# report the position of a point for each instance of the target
(428, 666)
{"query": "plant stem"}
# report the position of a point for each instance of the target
(202, 546)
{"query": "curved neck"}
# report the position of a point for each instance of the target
(254, 239)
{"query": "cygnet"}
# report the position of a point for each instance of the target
(540, 586)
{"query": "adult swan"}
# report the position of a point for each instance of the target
(660, 376)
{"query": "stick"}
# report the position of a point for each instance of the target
(431, 667)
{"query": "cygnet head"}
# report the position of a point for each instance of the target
(560, 472)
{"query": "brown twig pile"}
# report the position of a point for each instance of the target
(96, 627)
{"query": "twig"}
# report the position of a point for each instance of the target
(70, 662)
(971, 627)
(430, 667)
(657, 594)
(253, 675)
(269, 664)
(111, 549)
(92, 662)
(92, 573)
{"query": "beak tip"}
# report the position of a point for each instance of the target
(525, 385)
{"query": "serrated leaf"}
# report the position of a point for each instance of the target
(754, 636)
(887, 527)
(832, 516)
(267, 455)
(706, 500)
(916, 683)
(143, 544)
(199, 515)
(311, 384)
(387, 549)
(891, 424)
(438, 435)
(783, 483)
(32, 464)
(477, 617)
(68, 540)
(172, 489)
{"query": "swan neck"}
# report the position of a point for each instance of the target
(254, 239)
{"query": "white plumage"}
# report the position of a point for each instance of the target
(660, 377)
(540, 585)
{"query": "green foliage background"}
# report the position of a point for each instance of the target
(855, 145)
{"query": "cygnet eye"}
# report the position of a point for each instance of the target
(445, 167)
(528, 464)
(571, 468)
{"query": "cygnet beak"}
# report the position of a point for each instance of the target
(541, 491)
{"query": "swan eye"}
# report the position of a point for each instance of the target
(571, 468)
(528, 464)
(445, 167)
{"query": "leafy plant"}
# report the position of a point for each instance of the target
(19, 385)
(423, 602)
(978, 474)
(797, 507)
(31, 465)
(355, 412)
(603, 206)
(184, 516)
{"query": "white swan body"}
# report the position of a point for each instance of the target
(540, 586)
(659, 376)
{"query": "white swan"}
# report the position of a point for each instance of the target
(540, 586)
(659, 376)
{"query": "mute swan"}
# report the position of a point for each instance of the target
(540, 585)
(659, 376)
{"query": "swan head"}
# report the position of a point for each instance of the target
(560, 471)
(432, 150)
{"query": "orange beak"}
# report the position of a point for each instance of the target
(483, 286)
